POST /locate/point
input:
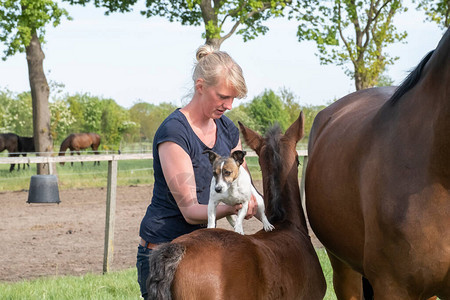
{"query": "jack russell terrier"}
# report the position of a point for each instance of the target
(231, 184)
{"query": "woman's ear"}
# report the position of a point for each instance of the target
(199, 85)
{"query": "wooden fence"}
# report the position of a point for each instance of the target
(112, 185)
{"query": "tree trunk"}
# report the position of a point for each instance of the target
(39, 94)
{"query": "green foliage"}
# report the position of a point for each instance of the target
(20, 19)
(268, 108)
(218, 15)
(437, 11)
(352, 35)
(118, 126)
(115, 122)
(17, 114)
(149, 116)
(221, 19)
(61, 119)
(87, 111)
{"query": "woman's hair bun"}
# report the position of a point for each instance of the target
(204, 51)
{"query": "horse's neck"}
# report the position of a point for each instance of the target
(429, 104)
(436, 73)
(291, 194)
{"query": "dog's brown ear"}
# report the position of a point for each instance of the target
(212, 155)
(238, 156)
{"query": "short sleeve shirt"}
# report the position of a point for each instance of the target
(163, 220)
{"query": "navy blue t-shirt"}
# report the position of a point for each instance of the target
(163, 220)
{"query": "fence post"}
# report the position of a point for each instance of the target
(110, 214)
(302, 186)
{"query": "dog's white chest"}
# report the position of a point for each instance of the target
(237, 192)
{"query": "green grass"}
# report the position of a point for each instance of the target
(129, 172)
(114, 285)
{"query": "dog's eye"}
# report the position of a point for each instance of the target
(214, 173)
(226, 173)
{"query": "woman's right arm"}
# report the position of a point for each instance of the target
(179, 174)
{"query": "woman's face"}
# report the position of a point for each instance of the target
(218, 99)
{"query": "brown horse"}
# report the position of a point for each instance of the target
(80, 141)
(10, 142)
(222, 264)
(378, 185)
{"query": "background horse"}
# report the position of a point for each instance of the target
(26, 145)
(10, 142)
(80, 141)
(222, 264)
(378, 185)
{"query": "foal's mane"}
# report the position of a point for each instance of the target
(272, 156)
(411, 80)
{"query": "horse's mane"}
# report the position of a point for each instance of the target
(411, 80)
(272, 154)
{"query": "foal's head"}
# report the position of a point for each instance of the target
(278, 160)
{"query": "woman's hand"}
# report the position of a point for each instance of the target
(252, 208)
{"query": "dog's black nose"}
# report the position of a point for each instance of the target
(218, 189)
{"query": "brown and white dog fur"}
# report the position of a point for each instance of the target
(231, 184)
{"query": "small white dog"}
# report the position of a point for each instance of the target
(231, 184)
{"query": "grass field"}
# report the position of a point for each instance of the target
(116, 285)
(130, 172)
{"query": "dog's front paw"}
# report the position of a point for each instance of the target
(211, 224)
(268, 227)
(239, 229)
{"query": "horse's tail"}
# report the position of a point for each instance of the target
(163, 263)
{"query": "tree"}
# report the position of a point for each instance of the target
(61, 119)
(149, 117)
(22, 29)
(115, 121)
(352, 32)
(268, 109)
(436, 11)
(221, 19)
(87, 111)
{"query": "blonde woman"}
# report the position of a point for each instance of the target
(182, 172)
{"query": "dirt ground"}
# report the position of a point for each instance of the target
(68, 238)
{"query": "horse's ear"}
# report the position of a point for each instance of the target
(295, 132)
(252, 138)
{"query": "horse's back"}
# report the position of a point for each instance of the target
(221, 264)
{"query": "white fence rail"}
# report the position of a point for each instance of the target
(112, 184)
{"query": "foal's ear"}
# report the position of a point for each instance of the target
(212, 155)
(295, 131)
(252, 138)
(238, 156)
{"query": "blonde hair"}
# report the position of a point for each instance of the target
(212, 65)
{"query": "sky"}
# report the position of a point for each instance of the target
(129, 58)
